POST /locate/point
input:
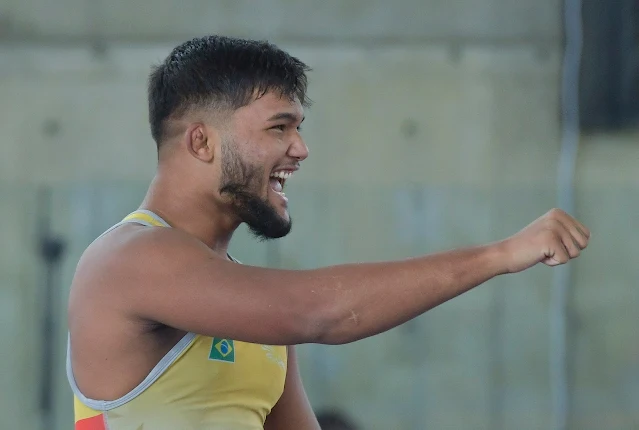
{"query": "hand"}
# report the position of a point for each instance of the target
(553, 239)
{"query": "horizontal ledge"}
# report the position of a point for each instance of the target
(302, 41)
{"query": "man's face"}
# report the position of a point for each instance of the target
(263, 150)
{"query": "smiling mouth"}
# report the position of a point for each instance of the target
(278, 179)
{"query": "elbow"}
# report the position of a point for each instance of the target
(329, 323)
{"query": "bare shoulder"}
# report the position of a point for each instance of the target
(129, 260)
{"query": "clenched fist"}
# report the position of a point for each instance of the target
(553, 239)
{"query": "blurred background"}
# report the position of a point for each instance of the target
(436, 124)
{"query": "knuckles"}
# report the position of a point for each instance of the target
(554, 224)
(557, 214)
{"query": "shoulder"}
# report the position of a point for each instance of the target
(130, 258)
(132, 247)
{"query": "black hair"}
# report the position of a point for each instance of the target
(220, 72)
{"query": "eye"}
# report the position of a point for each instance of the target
(283, 127)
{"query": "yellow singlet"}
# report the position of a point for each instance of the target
(202, 383)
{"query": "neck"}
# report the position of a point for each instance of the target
(194, 214)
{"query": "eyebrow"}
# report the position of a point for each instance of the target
(287, 116)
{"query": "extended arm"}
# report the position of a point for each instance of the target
(181, 283)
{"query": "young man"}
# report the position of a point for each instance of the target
(167, 331)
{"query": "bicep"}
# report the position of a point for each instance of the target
(184, 285)
(293, 411)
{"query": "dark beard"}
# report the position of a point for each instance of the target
(239, 182)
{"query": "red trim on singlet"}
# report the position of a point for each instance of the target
(93, 423)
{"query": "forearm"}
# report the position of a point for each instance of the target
(361, 300)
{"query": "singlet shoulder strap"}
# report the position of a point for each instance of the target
(158, 370)
(151, 219)
(145, 217)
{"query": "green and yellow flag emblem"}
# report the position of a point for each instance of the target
(222, 350)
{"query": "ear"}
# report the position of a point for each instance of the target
(201, 141)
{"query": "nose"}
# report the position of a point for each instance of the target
(298, 149)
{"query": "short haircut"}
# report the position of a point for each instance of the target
(217, 72)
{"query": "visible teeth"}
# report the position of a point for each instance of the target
(282, 175)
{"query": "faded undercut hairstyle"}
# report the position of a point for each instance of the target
(224, 73)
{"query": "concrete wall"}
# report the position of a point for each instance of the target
(434, 126)
(331, 20)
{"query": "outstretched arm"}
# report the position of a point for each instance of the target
(166, 276)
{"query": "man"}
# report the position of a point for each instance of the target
(167, 331)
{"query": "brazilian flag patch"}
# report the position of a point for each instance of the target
(222, 350)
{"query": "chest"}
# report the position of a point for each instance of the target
(228, 369)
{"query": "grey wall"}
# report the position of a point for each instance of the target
(435, 124)
(331, 20)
